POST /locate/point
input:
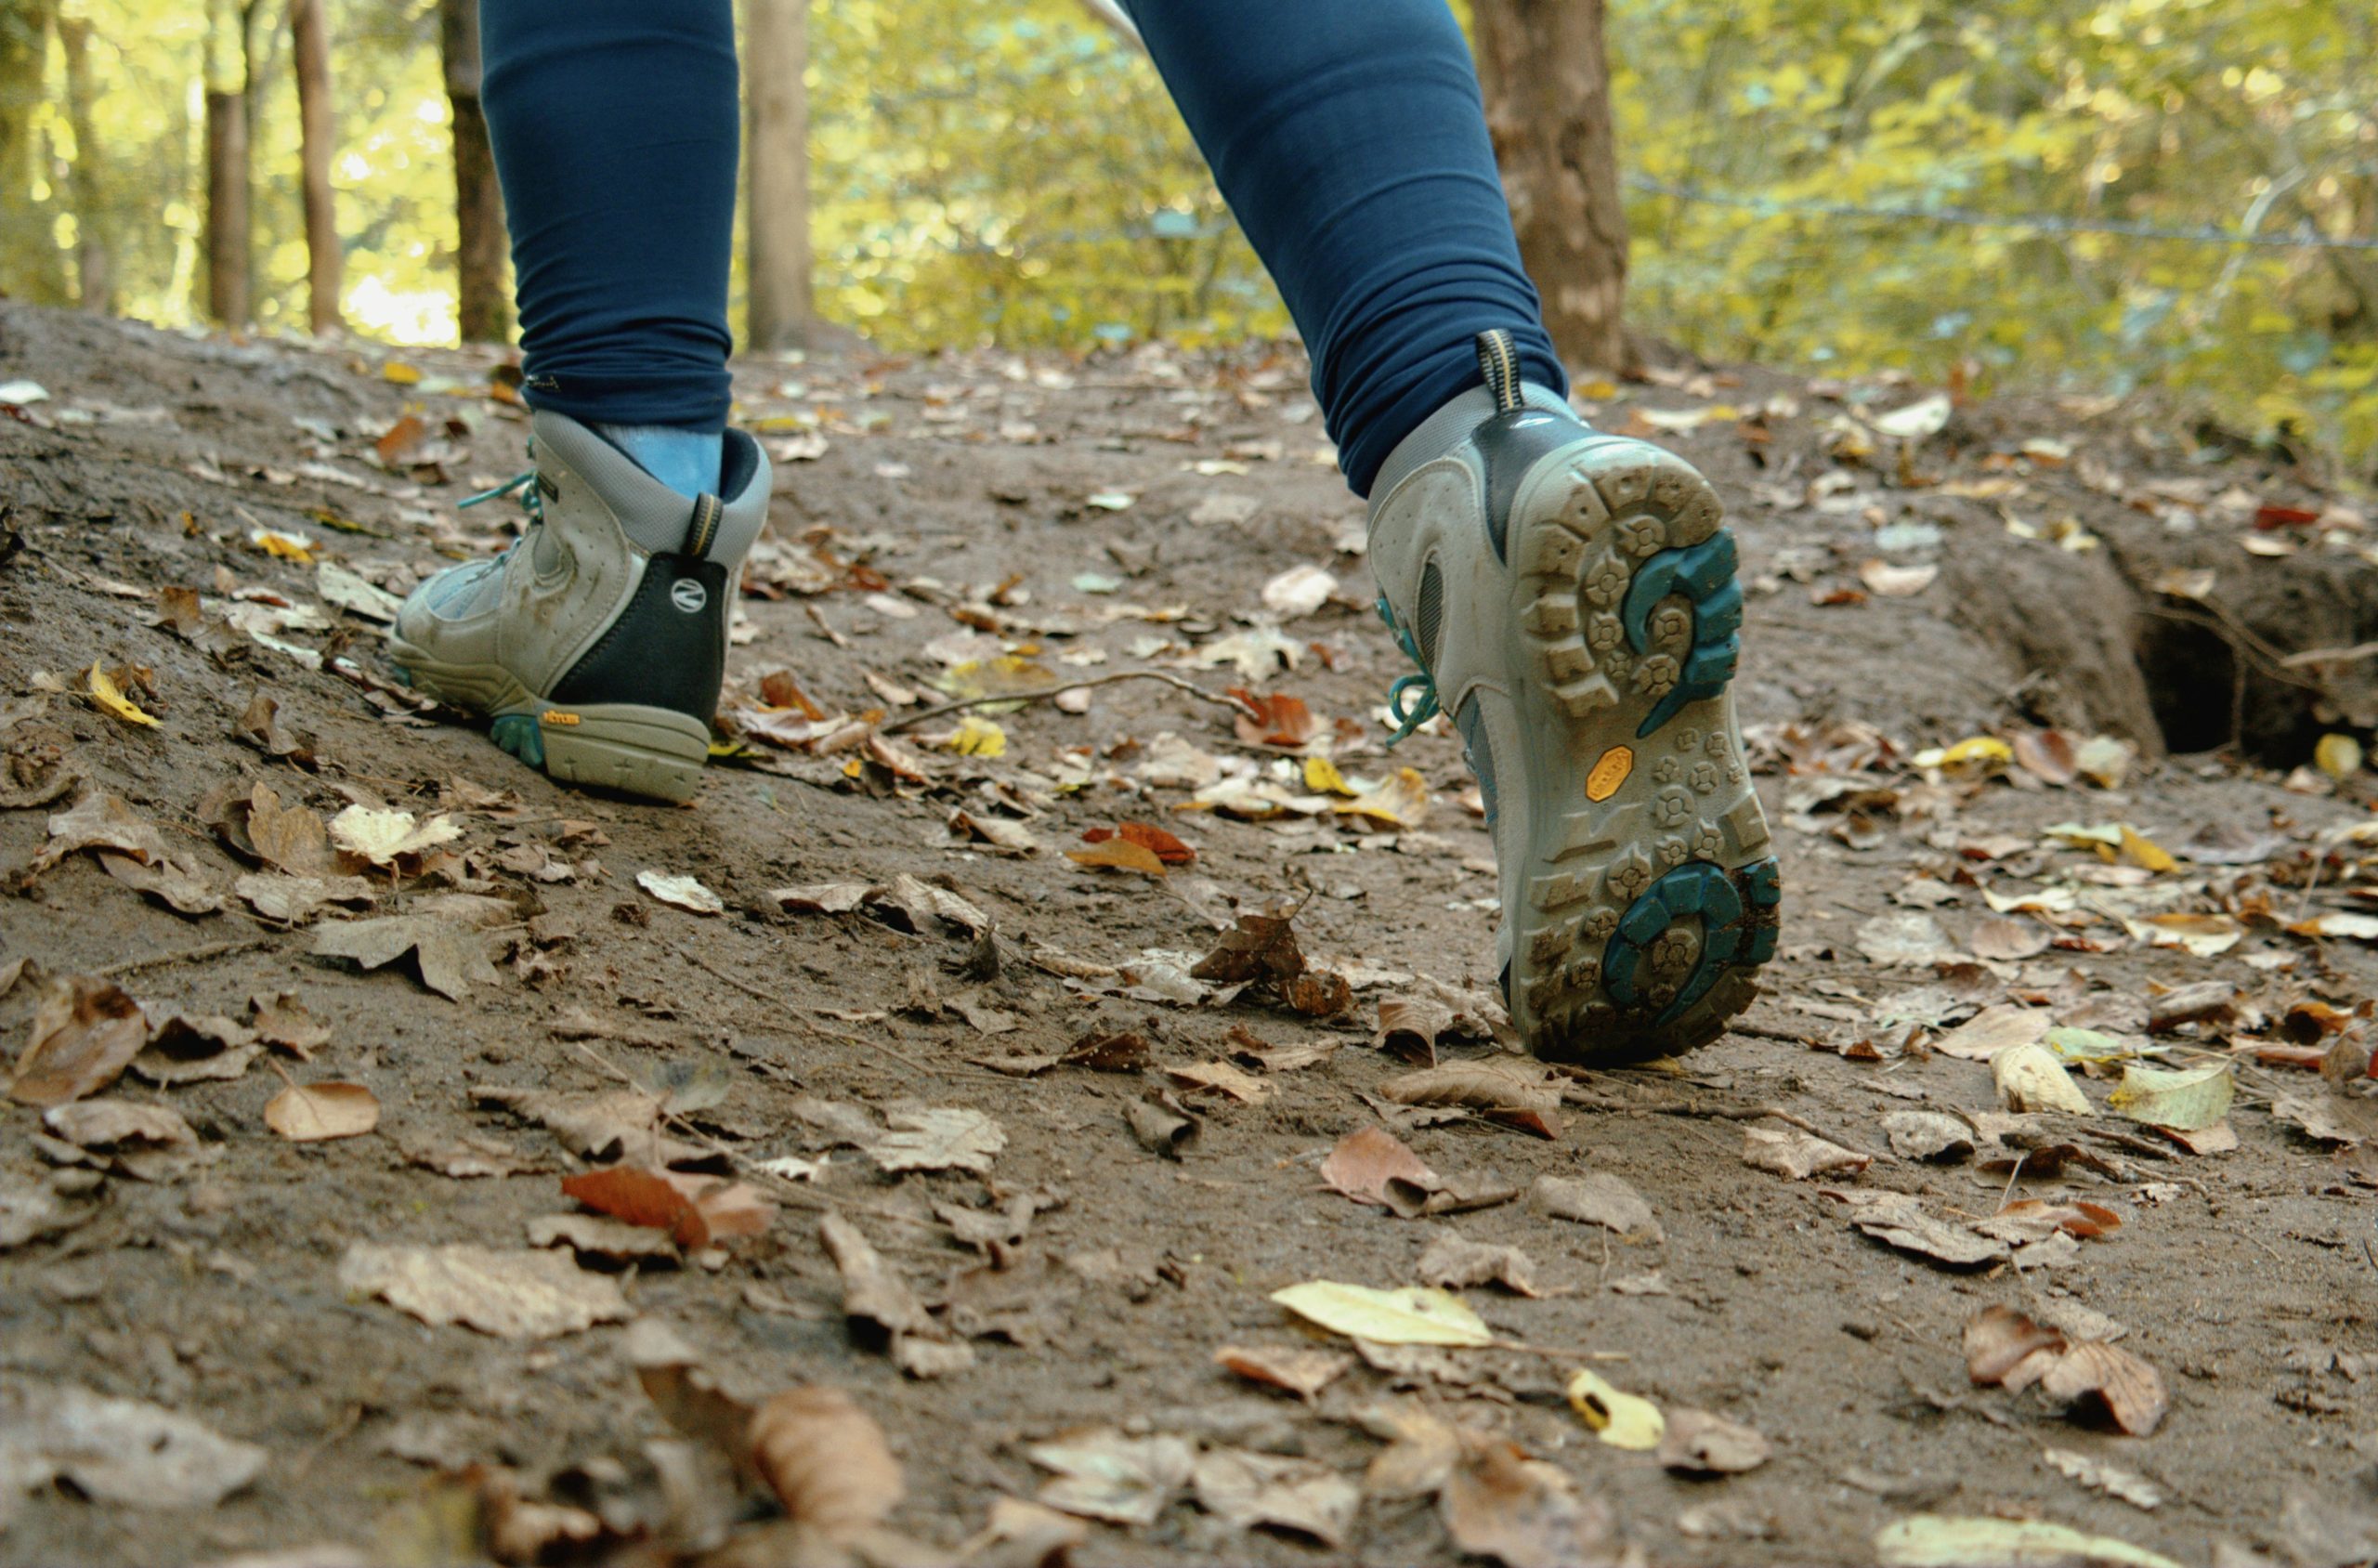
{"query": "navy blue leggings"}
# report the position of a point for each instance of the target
(1347, 135)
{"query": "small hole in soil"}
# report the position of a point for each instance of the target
(2191, 675)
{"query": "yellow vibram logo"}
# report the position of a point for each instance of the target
(1609, 773)
(555, 716)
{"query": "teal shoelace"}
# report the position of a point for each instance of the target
(524, 485)
(1409, 714)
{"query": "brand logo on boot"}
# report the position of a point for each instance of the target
(688, 594)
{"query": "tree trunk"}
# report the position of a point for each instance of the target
(1547, 80)
(228, 299)
(29, 267)
(482, 310)
(775, 135)
(94, 267)
(309, 46)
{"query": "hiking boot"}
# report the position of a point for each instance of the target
(1570, 599)
(597, 642)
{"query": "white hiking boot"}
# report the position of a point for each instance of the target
(598, 642)
(1570, 597)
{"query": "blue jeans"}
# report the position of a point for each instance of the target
(1346, 135)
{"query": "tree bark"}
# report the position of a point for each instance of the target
(228, 299)
(94, 264)
(482, 310)
(776, 162)
(309, 47)
(1546, 78)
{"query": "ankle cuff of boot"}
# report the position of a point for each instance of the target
(1448, 428)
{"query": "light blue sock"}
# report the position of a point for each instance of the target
(684, 459)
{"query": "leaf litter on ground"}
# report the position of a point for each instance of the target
(2006, 1349)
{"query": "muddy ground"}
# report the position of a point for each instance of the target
(1081, 519)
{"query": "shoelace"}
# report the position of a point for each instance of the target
(532, 501)
(1408, 716)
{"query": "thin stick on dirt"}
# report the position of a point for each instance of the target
(1045, 693)
(1584, 1101)
(759, 992)
(188, 954)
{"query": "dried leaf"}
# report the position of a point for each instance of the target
(449, 957)
(2114, 1482)
(1700, 1444)
(1597, 1197)
(2031, 1078)
(874, 1296)
(1363, 1161)
(109, 698)
(1499, 1503)
(1931, 1540)
(1400, 801)
(1221, 1077)
(1409, 1316)
(1120, 855)
(152, 1142)
(1102, 1474)
(944, 1138)
(84, 1032)
(1928, 1135)
(101, 821)
(383, 837)
(1259, 949)
(1994, 1029)
(122, 1451)
(526, 1293)
(1455, 1263)
(1164, 845)
(173, 881)
(1518, 1096)
(1302, 1372)
(1301, 1496)
(684, 892)
(290, 838)
(1797, 1156)
(311, 1113)
(2187, 1101)
(2005, 1348)
(826, 1459)
(1897, 1220)
(1274, 720)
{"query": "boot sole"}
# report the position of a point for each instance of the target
(657, 753)
(1650, 892)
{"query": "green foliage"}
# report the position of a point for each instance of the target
(1016, 174)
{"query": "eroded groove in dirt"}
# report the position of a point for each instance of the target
(966, 494)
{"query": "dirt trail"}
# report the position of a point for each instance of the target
(1081, 519)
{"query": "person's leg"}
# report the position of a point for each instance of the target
(616, 134)
(598, 644)
(1569, 596)
(1349, 138)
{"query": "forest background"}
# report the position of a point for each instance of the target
(2024, 195)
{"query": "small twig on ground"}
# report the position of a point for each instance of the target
(188, 954)
(1043, 694)
(758, 992)
(1584, 1101)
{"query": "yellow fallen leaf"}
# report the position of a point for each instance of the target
(399, 373)
(2140, 850)
(381, 836)
(1321, 777)
(977, 737)
(2339, 756)
(2188, 1100)
(1931, 1540)
(1977, 754)
(1400, 801)
(284, 546)
(110, 696)
(1414, 1315)
(1623, 1421)
(2206, 935)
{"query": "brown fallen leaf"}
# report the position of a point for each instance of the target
(1998, 1338)
(1159, 1127)
(1499, 1503)
(1099, 1473)
(1797, 1156)
(1455, 1263)
(938, 1138)
(1898, 1220)
(1700, 1444)
(826, 1459)
(1364, 1161)
(282, 1023)
(185, 1049)
(1163, 845)
(1302, 1372)
(1413, 1199)
(2087, 1373)
(2030, 1220)
(1278, 720)
(84, 1032)
(595, 1239)
(694, 1210)
(174, 881)
(449, 956)
(291, 838)
(1259, 949)
(1597, 1197)
(311, 1113)
(1421, 1451)
(2005, 940)
(619, 1124)
(1992, 1030)
(149, 1143)
(100, 821)
(883, 1310)
(1512, 1095)
(1220, 1077)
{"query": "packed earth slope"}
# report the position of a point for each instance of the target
(955, 1129)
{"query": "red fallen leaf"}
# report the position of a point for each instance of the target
(780, 689)
(2273, 1054)
(1154, 839)
(694, 1210)
(1274, 720)
(2269, 517)
(1364, 1161)
(1120, 855)
(1823, 596)
(403, 437)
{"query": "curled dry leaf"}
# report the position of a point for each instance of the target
(149, 1143)
(2031, 1078)
(84, 1032)
(1456, 1262)
(694, 1210)
(2188, 1100)
(123, 1451)
(2005, 1348)
(2028, 1220)
(1159, 1127)
(1154, 839)
(1412, 1198)
(1120, 855)
(1933, 1540)
(1364, 1161)
(1623, 1421)
(1301, 1496)
(526, 1293)
(449, 957)
(1597, 1197)
(100, 821)
(1259, 949)
(1220, 1077)
(942, 1138)
(1928, 1135)
(1514, 1096)
(1302, 1372)
(1102, 1474)
(1280, 721)
(1498, 1503)
(684, 892)
(1898, 1220)
(1797, 1156)
(311, 1113)
(826, 1459)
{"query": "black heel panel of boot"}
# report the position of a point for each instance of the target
(667, 648)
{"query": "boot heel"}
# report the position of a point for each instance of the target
(655, 753)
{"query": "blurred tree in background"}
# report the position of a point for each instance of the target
(1803, 183)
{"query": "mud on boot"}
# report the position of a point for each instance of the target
(597, 645)
(1571, 597)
